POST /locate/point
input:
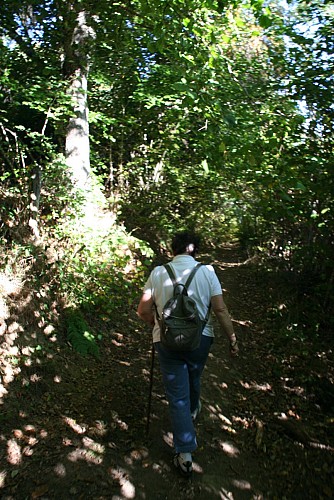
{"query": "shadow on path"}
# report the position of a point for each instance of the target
(76, 429)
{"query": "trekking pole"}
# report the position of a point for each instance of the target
(150, 393)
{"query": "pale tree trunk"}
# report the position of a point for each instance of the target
(77, 46)
(77, 137)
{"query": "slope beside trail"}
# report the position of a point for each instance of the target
(79, 431)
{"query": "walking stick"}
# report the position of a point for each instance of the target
(150, 393)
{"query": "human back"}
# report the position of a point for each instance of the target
(200, 288)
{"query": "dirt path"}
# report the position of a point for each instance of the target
(76, 428)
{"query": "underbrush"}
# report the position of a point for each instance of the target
(297, 309)
(300, 286)
(71, 287)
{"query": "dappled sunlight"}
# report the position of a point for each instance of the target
(35, 380)
(89, 449)
(137, 455)
(23, 442)
(225, 420)
(245, 423)
(197, 468)
(77, 428)
(146, 374)
(81, 420)
(264, 387)
(241, 484)
(117, 339)
(216, 414)
(117, 422)
(3, 475)
(120, 476)
(121, 124)
(51, 397)
(87, 454)
(14, 452)
(3, 392)
(158, 468)
(229, 449)
(168, 438)
(99, 429)
(295, 389)
(60, 470)
(221, 386)
(225, 494)
(19, 349)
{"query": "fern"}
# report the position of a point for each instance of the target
(79, 335)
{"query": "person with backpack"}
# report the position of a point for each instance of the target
(177, 301)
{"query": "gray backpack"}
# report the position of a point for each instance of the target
(180, 324)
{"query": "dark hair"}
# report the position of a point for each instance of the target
(182, 241)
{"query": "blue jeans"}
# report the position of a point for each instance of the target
(181, 375)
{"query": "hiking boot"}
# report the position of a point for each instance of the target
(184, 464)
(196, 412)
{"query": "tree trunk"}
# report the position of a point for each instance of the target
(77, 136)
(76, 67)
(78, 40)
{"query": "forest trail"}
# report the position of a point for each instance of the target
(79, 430)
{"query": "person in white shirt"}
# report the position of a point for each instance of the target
(182, 370)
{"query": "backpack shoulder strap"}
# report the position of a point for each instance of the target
(192, 274)
(190, 277)
(170, 273)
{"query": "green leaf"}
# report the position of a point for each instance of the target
(265, 21)
(300, 186)
(229, 119)
(205, 166)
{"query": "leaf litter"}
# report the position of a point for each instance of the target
(266, 430)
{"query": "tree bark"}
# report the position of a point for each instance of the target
(76, 68)
(77, 147)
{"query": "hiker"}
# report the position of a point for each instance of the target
(182, 370)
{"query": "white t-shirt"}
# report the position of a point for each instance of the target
(203, 286)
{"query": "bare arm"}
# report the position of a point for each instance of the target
(145, 308)
(221, 312)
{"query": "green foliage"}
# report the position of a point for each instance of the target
(79, 334)
(32, 168)
(201, 115)
(101, 272)
(102, 267)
